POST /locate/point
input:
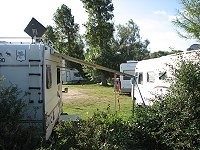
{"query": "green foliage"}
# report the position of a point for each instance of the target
(65, 36)
(103, 130)
(159, 54)
(189, 19)
(12, 133)
(163, 53)
(50, 34)
(180, 118)
(148, 121)
(128, 44)
(99, 31)
(65, 26)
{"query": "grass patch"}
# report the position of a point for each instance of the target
(97, 98)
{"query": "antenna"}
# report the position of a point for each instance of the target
(35, 29)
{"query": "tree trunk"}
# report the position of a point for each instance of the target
(103, 79)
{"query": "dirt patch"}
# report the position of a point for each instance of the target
(75, 94)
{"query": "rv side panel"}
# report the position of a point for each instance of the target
(53, 90)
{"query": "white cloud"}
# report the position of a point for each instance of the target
(161, 35)
(160, 12)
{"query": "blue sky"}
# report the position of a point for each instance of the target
(152, 16)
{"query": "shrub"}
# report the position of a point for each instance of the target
(180, 109)
(12, 134)
(173, 120)
(104, 130)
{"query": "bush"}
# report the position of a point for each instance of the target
(180, 109)
(12, 134)
(173, 120)
(103, 130)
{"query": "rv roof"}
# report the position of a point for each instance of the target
(131, 61)
(14, 43)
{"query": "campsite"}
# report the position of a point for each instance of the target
(103, 74)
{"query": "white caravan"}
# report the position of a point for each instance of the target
(152, 75)
(125, 81)
(71, 75)
(33, 69)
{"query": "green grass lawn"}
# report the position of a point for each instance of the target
(97, 97)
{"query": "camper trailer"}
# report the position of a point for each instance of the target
(71, 75)
(33, 69)
(152, 76)
(125, 81)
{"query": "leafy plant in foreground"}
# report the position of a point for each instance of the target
(12, 133)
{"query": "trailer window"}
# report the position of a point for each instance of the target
(48, 77)
(151, 76)
(131, 72)
(140, 78)
(58, 75)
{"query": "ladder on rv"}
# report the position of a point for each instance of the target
(35, 79)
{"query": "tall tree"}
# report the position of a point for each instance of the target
(128, 43)
(99, 31)
(68, 39)
(65, 26)
(189, 19)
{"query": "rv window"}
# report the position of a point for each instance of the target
(162, 75)
(151, 76)
(140, 78)
(48, 77)
(58, 75)
(131, 72)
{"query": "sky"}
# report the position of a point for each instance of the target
(152, 16)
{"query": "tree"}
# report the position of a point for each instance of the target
(189, 19)
(65, 26)
(99, 31)
(128, 45)
(65, 36)
(159, 54)
(163, 53)
(50, 34)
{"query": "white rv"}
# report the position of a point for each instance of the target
(152, 75)
(33, 69)
(125, 81)
(71, 75)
